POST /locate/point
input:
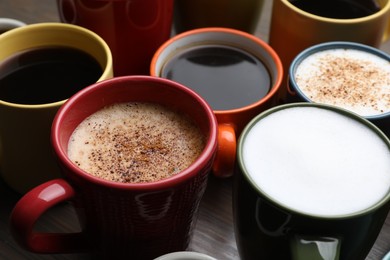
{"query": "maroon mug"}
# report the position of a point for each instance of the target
(120, 220)
(133, 29)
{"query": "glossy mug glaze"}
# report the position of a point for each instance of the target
(133, 29)
(288, 38)
(120, 220)
(231, 120)
(7, 24)
(26, 158)
(185, 255)
(301, 189)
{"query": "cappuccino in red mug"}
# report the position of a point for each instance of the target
(135, 143)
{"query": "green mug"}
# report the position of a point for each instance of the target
(312, 182)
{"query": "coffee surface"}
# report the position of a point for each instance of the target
(317, 161)
(46, 74)
(348, 78)
(226, 77)
(135, 143)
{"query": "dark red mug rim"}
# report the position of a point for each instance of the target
(74, 103)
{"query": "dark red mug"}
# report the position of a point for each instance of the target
(120, 220)
(133, 29)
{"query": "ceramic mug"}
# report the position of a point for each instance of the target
(346, 74)
(120, 220)
(133, 29)
(293, 29)
(237, 73)
(26, 158)
(185, 255)
(297, 192)
(242, 15)
(7, 24)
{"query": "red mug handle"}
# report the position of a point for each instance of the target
(226, 153)
(31, 207)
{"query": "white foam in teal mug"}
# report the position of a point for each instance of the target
(350, 75)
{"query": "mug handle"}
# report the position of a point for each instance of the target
(315, 247)
(31, 207)
(226, 153)
(289, 90)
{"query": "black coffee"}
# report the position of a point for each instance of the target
(46, 75)
(338, 9)
(227, 78)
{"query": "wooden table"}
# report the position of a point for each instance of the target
(214, 230)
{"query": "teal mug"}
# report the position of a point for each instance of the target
(312, 182)
(350, 75)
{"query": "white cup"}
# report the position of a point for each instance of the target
(7, 24)
(185, 255)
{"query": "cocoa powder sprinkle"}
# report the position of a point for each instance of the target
(355, 82)
(136, 142)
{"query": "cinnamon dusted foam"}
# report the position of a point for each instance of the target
(352, 79)
(135, 143)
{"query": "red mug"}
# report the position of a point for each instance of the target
(133, 29)
(120, 220)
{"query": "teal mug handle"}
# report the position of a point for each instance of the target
(315, 248)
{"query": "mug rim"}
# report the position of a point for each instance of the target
(276, 81)
(383, 10)
(183, 255)
(336, 109)
(45, 26)
(386, 256)
(10, 23)
(328, 46)
(202, 160)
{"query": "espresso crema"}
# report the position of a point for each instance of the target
(135, 143)
(352, 79)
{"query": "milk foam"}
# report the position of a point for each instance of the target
(355, 80)
(316, 161)
(135, 142)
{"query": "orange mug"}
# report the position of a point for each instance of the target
(238, 74)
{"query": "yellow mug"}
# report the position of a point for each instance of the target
(292, 30)
(26, 158)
